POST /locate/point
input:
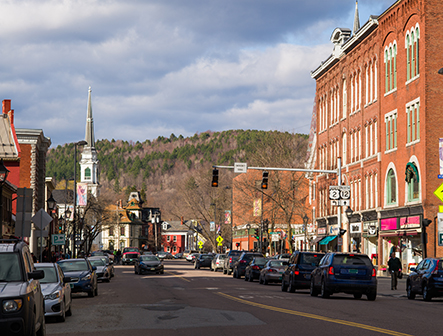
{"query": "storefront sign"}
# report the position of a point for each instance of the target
(372, 230)
(410, 222)
(333, 230)
(321, 231)
(388, 224)
(355, 227)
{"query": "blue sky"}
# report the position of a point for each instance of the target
(158, 67)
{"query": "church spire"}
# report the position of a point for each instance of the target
(356, 18)
(89, 138)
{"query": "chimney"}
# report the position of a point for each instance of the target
(11, 116)
(6, 105)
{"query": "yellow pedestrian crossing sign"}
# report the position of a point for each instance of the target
(200, 244)
(439, 192)
(219, 241)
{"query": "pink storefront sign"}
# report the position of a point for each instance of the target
(388, 224)
(410, 222)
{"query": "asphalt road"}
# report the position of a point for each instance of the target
(185, 301)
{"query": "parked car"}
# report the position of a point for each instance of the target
(231, 258)
(282, 256)
(191, 257)
(110, 264)
(426, 279)
(188, 252)
(241, 263)
(56, 291)
(164, 255)
(297, 274)
(130, 257)
(203, 260)
(83, 275)
(147, 253)
(22, 303)
(272, 271)
(252, 270)
(344, 272)
(149, 264)
(103, 253)
(178, 255)
(103, 269)
(218, 261)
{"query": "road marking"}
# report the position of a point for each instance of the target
(178, 276)
(313, 316)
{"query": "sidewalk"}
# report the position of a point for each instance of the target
(384, 287)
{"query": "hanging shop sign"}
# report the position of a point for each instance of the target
(355, 227)
(321, 231)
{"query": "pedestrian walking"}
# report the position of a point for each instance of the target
(118, 256)
(46, 255)
(394, 266)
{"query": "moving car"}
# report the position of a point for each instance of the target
(22, 303)
(252, 271)
(243, 260)
(297, 274)
(148, 264)
(344, 272)
(218, 261)
(103, 269)
(83, 275)
(130, 257)
(203, 260)
(56, 291)
(426, 279)
(164, 255)
(230, 260)
(272, 271)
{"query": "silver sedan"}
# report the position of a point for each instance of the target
(56, 291)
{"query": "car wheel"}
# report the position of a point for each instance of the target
(260, 280)
(323, 291)
(162, 272)
(358, 296)
(62, 318)
(409, 292)
(224, 271)
(229, 272)
(426, 293)
(372, 296)
(291, 286)
(91, 293)
(42, 330)
(69, 311)
(234, 274)
(284, 286)
(96, 290)
(312, 290)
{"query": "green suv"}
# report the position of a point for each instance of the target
(22, 309)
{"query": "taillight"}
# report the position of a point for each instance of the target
(296, 272)
(255, 267)
(242, 261)
(271, 270)
(374, 273)
(435, 271)
(230, 260)
(331, 270)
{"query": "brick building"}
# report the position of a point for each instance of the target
(377, 107)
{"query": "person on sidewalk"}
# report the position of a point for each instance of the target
(394, 266)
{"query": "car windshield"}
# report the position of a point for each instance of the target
(131, 255)
(222, 256)
(148, 258)
(10, 267)
(74, 266)
(97, 262)
(278, 263)
(130, 249)
(98, 253)
(50, 274)
(352, 260)
(260, 261)
(206, 256)
(310, 259)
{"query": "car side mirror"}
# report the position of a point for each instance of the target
(36, 275)
(67, 279)
(94, 268)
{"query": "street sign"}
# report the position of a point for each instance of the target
(240, 167)
(200, 244)
(58, 239)
(212, 226)
(345, 192)
(341, 202)
(334, 193)
(439, 192)
(219, 240)
(41, 219)
(440, 239)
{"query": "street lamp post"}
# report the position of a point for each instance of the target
(3, 176)
(305, 225)
(248, 226)
(349, 213)
(79, 143)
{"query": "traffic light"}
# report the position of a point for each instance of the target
(60, 227)
(257, 234)
(264, 181)
(426, 222)
(214, 178)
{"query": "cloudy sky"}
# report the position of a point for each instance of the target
(158, 67)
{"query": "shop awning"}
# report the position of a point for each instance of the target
(327, 239)
(316, 240)
(399, 233)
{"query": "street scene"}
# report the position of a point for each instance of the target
(239, 168)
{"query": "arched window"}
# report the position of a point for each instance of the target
(412, 179)
(391, 187)
(87, 173)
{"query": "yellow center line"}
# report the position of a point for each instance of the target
(313, 316)
(178, 276)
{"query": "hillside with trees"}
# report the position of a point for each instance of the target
(168, 170)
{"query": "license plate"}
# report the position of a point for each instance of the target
(353, 271)
(280, 272)
(152, 269)
(307, 276)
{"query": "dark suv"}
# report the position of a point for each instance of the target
(344, 272)
(426, 279)
(243, 261)
(298, 273)
(230, 260)
(22, 305)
